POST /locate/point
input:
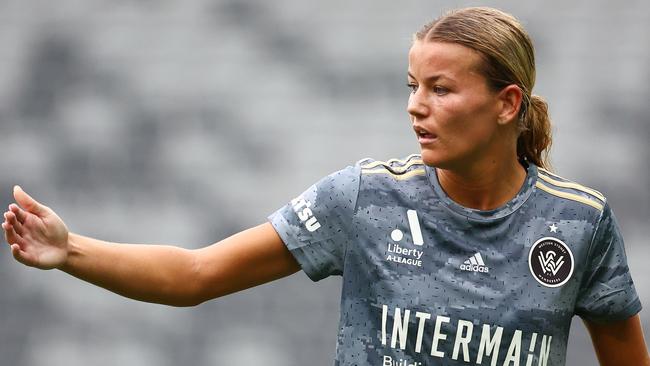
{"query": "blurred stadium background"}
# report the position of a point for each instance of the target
(184, 122)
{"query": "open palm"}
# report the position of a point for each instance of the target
(37, 235)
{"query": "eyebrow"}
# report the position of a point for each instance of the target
(432, 78)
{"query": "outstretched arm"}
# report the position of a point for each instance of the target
(619, 343)
(153, 273)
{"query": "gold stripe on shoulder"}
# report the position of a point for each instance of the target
(577, 186)
(570, 196)
(548, 172)
(401, 161)
(404, 176)
(398, 170)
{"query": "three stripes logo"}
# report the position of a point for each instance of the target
(475, 263)
(551, 262)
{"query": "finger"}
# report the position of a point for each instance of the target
(21, 215)
(28, 203)
(10, 233)
(20, 255)
(10, 217)
(4, 229)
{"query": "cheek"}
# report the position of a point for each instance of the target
(465, 121)
(452, 114)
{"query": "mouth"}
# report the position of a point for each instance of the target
(424, 137)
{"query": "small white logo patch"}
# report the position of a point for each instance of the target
(404, 255)
(302, 208)
(475, 263)
(551, 262)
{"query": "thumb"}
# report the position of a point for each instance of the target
(28, 203)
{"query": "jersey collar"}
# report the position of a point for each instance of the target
(505, 210)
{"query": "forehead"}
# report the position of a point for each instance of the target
(450, 59)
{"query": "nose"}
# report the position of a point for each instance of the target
(416, 106)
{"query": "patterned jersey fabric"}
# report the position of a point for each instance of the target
(429, 282)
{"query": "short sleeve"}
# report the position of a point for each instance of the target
(607, 292)
(317, 225)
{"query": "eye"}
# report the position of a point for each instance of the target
(413, 87)
(440, 90)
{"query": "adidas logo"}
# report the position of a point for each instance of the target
(475, 264)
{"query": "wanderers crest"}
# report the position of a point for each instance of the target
(551, 262)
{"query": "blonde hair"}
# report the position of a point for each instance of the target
(508, 58)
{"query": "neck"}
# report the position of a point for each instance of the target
(484, 186)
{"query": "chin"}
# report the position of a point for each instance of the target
(431, 158)
(435, 159)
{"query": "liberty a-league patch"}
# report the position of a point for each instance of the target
(551, 262)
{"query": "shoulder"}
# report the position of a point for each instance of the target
(392, 169)
(345, 185)
(563, 189)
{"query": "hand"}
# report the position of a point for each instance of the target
(37, 236)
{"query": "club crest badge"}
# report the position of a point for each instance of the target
(551, 262)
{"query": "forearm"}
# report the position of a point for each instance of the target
(152, 273)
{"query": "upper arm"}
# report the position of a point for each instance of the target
(318, 225)
(620, 342)
(246, 259)
(607, 293)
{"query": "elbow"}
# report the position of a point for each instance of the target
(195, 298)
(185, 303)
(178, 298)
(198, 286)
(203, 290)
(185, 299)
(198, 296)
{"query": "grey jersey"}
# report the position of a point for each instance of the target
(429, 282)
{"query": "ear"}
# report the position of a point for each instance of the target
(510, 102)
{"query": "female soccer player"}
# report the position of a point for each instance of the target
(470, 252)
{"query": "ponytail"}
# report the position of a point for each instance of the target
(534, 141)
